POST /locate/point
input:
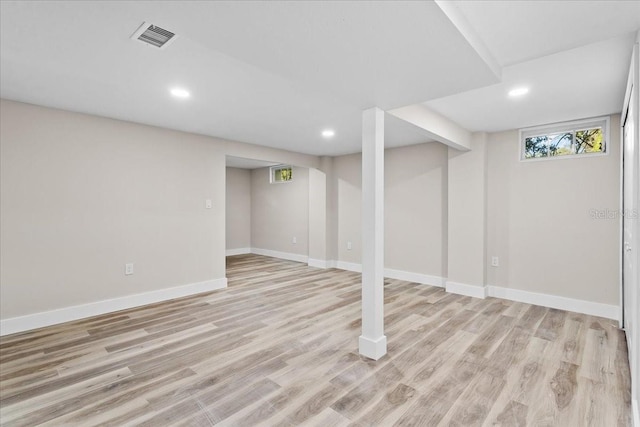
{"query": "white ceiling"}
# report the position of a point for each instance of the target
(574, 57)
(278, 73)
(517, 31)
(269, 73)
(584, 82)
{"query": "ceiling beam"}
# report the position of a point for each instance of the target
(434, 126)
(465, 28)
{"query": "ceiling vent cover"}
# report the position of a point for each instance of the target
(153, 35)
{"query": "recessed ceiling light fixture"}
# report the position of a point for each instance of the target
(180, 93)
(328, 133)
(518, 91)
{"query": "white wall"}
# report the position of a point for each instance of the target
(415, 208)
(540, 222)
(280, 212)
(347, 182)
(83, 195)
(317, 225)
(467, 215)
(238, 209)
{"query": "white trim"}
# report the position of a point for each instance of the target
(621, 198)
(372, 348)
(67, 314)
(238, 251)
(318, 263)
(423, 279)
(282, 255)
(635, 413)
(349, 266)
(476, 291)
(553, 301)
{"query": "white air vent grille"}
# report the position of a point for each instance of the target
(153, 35)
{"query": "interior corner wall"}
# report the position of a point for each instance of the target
(83, 195)
(317, 199)
(467, 213)
(415, 208)
(548, 223)
(347, 185)
(238, 209)
(326, 166)
(280, 212)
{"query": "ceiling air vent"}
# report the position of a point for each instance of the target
(153, 35)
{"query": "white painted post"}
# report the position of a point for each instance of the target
(373, 342)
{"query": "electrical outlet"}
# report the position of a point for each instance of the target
(349, 246)
(208, 204)
(495, 262)
(294, 240)
(128, 269)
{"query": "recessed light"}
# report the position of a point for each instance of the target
(180, 93)
(328, 133)
(518, 91)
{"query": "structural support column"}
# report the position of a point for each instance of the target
(373, 342)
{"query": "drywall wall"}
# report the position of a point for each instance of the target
(467, 215)
(238, 209)
(331, 205)
(347, 185)
(415, 208)
(280, 212)
(317, 197)
(83, 195)
(543, 221)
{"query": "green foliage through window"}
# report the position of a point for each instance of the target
(566, 143)
(281, 174)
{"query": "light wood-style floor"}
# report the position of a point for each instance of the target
(279, 348)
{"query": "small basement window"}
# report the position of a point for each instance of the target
(570, 139)
(281, 174)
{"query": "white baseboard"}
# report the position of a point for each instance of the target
(278, 254)
(423, 279)
(552, 301)
(238, 251)
(349, 266)
(67, 314)
(476, 291)
(318, 263)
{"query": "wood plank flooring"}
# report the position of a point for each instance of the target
(278, 347)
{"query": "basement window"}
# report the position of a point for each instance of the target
(584, 138)
(280, 174)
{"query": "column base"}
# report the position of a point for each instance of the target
(373, 349)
